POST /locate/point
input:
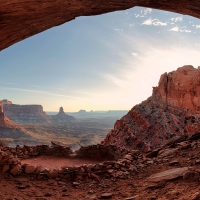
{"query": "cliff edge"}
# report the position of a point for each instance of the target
(180, 88)
(170, 114)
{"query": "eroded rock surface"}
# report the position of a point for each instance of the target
(10, 129)
(168, 174)
(26, 113)
(170, 114)
(22, 19)
(180, 88)
(33, 114)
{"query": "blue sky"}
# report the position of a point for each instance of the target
(105, 62)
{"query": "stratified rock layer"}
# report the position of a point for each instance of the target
(180, 88)
(9, 129)
(24, 18)
(25, 113)
(170, 114)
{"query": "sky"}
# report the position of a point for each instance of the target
(104, 62)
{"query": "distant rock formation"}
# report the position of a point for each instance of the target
(25, 113)
(9, 129)
(1, 110)
(62, 117)
(5, 122)
(170, 114)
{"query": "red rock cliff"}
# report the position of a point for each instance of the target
(180, 88)
(25, 113)
(171, 113)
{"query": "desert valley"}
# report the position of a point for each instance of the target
(30, 125)
(152, 152)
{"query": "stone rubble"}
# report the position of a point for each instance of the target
(121, 164)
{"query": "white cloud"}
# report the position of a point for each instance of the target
(148, 22)
(39, 92)
(178, 19)
(154, 22)
(197, 26)
(181, 29)
(158, 23)
(114, 79)
(138, 15)
(134, 54)
(147, 11)
(186, 31)
(116, 29)
(176, 29)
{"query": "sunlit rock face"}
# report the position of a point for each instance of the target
(171, 113)
(180, 88)
(5, 122)
(26, 113)
(22, 19)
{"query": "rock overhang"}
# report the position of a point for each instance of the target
(22, 19)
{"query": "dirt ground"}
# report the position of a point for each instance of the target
(134, 186)
(51, 162)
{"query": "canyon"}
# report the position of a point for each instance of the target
(33, 114)
(152, 153)
(171, 114)
(30, 125)
(55, 172)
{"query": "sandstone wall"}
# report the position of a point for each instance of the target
(25, 113)
(180, 88)
(25, 109)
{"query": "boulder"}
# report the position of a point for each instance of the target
(15, 170)
(168, 175)
(5, 168)
(191, 176)
(29, 169)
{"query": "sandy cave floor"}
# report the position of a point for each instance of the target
(52, 162)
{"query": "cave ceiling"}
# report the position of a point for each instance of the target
(20, 19)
